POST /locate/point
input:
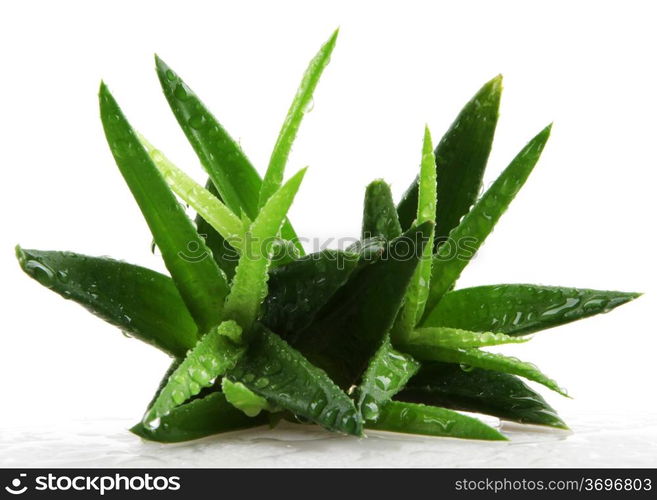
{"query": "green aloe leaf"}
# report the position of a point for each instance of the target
(521, 309)
(482, 359)
(213, 355)
(379, 213)
(300, 105)
(461, 158)
(201, 283)
(418, 290)
(455, 338)
(199, 418)
(244, 399)
(448, 263)
(298, 290)
(354, 324)
(223, 253)
(481, 391)
(208, 206)
(432, 421)
(249, 286)
(284, 377)
(231, 171)
(143, 303)
(386, 375)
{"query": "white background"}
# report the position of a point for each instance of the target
(585, 217)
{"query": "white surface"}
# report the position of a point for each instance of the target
(585, 217)
(601, 440)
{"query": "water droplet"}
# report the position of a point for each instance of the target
(171, 76)
(40, 272)
(197, 121)
(261, 383)
(466, 368)
(180, 92)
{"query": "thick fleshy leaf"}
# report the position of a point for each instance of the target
(354, 324)
(481, 391)
(379, 213)
(213, 355)
(452, 257)
(461, 158)
(218, 215)
(386, 375)
(199, 418)
(143, 303)
(482, 359)
(459, 339)
(521, 309)
(432, 421)
(297, 291)
(199, 280)
(227, 165)
(300, 105)
(418, 290)
(223, 253)
(249, 286)
(243, 398)
(280, 374)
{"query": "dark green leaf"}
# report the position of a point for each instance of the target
(199, 418)
(353, 325)
(521, 309)
(200, 282)
(297, 291)
(461, 158)
(449, 262)
(229, 168)
(281, 375)
(379, 213)
(432, 421)
(141, 302)
(482, 359)
(482, 391)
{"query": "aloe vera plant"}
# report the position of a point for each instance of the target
(372, 337)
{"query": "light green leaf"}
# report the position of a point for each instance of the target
(213, 355)
(302, 100)
(459, 339)
(242, 398)
(249, 286)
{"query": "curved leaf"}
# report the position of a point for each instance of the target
(412, 418)
(479, 222)
(213, 355)
(227, 165)
(482, 391)
(483, 359)
(521, 309)
(249, 286)
(459, 339)
(199, 418)
(200, 282)
(302, 100)
(143, 303)
(461, 158)
(280, 374)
